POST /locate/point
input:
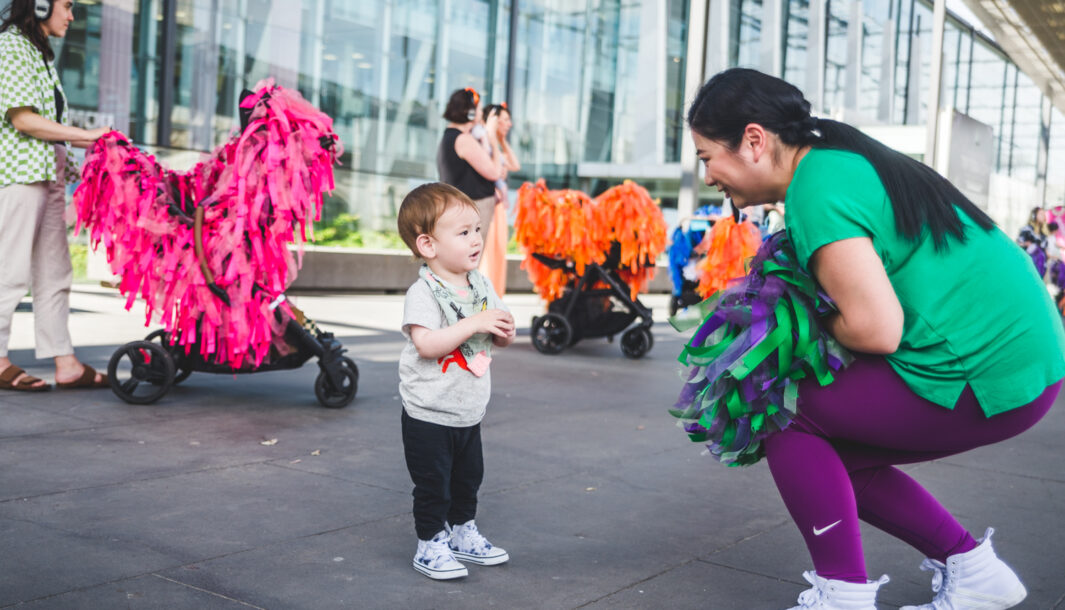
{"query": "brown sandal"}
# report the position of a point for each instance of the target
(11, 373)
(87, 380)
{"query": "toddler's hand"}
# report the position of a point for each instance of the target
(513, 327)
(494, 321)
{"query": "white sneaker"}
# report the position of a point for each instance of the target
(974, 580)
(838, 594)
(469, 545)
(434, 559)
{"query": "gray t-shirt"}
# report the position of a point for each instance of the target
(455, 398)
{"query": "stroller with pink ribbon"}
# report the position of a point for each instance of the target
(207, 250)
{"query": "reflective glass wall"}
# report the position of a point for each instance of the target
(170, 72)
(383, 69)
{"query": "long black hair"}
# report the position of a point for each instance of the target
(19, 14)
(919, 195)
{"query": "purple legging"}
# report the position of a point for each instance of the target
(835, 464)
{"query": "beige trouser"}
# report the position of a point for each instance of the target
(34, 256)
(486, 208)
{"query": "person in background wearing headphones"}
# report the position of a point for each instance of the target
(463, 162)
(35, 165)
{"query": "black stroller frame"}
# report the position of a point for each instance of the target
(155, 365)
(582, 312)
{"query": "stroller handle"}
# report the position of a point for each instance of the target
(197, 230)
(552, 262)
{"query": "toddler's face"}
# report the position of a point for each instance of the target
(457, 242)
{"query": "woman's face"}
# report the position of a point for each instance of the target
(736, 173)
(504, 122)
(1040, 215)
(62, 15)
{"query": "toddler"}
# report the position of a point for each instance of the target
(452, 319)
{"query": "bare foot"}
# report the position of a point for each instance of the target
(68, 373)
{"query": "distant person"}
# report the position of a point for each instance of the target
(1055, 264)
(35, 166)
(1034, 238)
(944, 363)
(772, 218)
(494, 260)
(452, 319)
(465, 163)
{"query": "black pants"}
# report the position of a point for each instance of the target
(446, 466)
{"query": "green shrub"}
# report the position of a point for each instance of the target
(345, 230)
(79, 258)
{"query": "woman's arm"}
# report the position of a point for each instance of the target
(29, 123)
(510, 160)
(870, 316)
(488, 166)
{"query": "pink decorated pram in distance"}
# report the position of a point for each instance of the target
(207, 252)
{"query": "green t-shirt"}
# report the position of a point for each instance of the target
(976, 313)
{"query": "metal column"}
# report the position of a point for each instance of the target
(935, 85)
(815, 55)
(512, 51)
(166, 78)
(694, 75)
(854, 57)
(886, 107)
(1042, 151)
(772, 48)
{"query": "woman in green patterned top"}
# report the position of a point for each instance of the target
(35, 165)
(957, 342)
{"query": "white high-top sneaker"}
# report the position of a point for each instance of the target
(469, 545)
(975, 580)
(838, 594)
(434, 559)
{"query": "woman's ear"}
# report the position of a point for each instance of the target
(426, 247)
(756, 138)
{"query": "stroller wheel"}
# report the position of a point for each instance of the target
(551, 333)
(141, 372)
(636, 342)
(176, 353)
(336, 397)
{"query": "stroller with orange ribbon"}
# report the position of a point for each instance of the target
(589, 258)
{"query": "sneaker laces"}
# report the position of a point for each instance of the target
(810, 597)
(939, 573)
(938, 569)
(437, 551)
(472, 538)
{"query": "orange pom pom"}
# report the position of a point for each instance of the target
(728, 247)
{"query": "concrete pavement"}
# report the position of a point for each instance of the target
(600, 500)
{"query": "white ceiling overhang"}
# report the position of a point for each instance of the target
(1032, 33)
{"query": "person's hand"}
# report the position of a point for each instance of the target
(93, 135)
(491, 125)
(495, 321)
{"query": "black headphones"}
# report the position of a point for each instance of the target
(42, 9)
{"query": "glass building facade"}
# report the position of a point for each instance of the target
(588, 81)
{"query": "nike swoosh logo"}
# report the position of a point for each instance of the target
(818, 532)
